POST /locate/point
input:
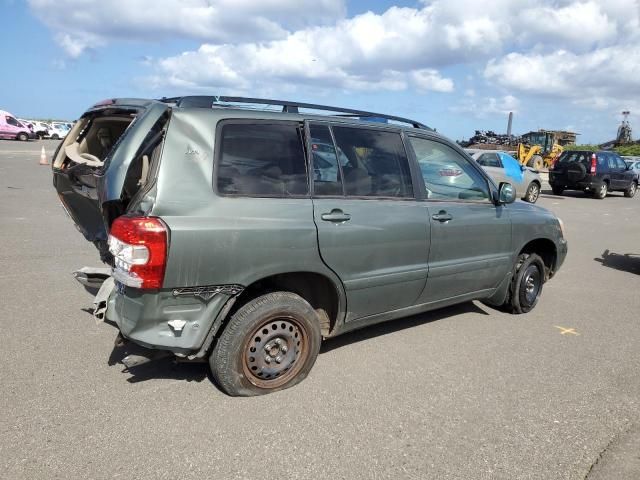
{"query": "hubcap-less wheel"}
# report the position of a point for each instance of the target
(531, 284)
(534, 191)
(275, 352)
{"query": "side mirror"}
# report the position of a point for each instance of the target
(506, 193)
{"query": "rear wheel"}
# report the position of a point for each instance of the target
(631, 191)
(526, 285)
(55, 137)
(533, 192)
(270, 344)
(23, 137)
(557, 190)
(601, 191)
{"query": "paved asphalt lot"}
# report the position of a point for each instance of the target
(466, 392)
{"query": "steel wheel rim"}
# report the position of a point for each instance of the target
(531, 284)
(275, 352)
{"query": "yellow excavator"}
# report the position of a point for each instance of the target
(540, 149)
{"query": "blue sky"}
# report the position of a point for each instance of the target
(456, 65)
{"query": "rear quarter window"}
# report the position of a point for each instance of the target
(259, 159)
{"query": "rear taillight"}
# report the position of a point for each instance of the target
(593, 163)
(139, 249)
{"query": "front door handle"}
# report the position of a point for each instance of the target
(336, 215)
(442, 216)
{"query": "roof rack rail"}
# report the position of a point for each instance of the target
(204, 101)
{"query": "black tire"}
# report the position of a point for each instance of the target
(536, 162)
(55, 137)
(576, 172)
(557, 190)
(526, 284)
(631, 191)
(533, 192)
(23, 137)
(601, 191)
(269, 344)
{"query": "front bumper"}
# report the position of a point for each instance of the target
(562, 248)
(564, 182)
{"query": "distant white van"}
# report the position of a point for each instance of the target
(12, 129)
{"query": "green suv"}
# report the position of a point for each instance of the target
(246, 236)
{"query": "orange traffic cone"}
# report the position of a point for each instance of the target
(43, 158)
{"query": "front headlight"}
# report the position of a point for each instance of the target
(561, 225)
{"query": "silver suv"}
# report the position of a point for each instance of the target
(246, 236)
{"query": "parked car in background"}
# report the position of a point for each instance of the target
(502, 167)
(26, 123)
(12, 129)
(58, 131)
(231, 238)
(597, 173)
(633, 164)
(41, 129)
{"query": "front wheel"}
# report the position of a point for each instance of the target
(270, 344)
(526, 284)
(631, 191)
(533, 192)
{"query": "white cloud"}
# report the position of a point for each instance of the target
(577, 25)
(82, 24)
(429, 79)
(611, 72)
(573, 49)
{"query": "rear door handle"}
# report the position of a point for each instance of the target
(442, 216)
(336, 215)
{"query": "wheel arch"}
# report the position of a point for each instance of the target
(547, 250)
(323, 293)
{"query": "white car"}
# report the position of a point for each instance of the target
(41, 129)
(502, 167)
(58, 131)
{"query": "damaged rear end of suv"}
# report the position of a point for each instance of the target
(104, 172)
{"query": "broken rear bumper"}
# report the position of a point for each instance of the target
(184, 325)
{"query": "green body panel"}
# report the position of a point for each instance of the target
(390, 259)
(381, 253)
(471, 252)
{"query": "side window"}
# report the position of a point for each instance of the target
(261, 160)
(12, 121)
(611, 161)
(374, 162)
(620, 162)
(489, 160)
(447, 174)
(327, 179)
